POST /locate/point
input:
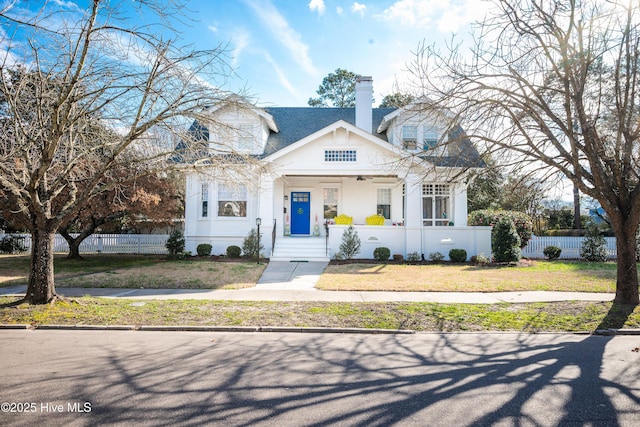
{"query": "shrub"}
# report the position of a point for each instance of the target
(398, 257)
(505, 241)
(480, 259)
(175, 243)
(204, 249)
(234, 251)
(11, 244)
(436, 257)
(458, 255)
(381, 254)
(413, 257)
(350, 245)
(594, 246)
(552, 252)
(488, 217)
(250, 244)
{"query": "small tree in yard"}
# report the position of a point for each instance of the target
(175, 243)
(594, 245)
(350, 245)
(250, 244)
(505, 241)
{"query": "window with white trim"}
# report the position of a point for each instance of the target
(340, 155)
(330, 196)
(430, 138)
(232, 201)
(436, 204)
(409, 137)
(204, 199)
(384, 202)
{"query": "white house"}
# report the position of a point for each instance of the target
(404, 169)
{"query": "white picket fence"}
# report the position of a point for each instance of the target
(110, 243)
(570, 246)
(154, 244)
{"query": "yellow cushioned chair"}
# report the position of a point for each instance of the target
(344, 219)
(375, 220)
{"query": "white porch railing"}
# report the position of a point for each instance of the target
(109, 243)
(570, 246)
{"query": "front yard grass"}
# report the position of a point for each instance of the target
(136, 271)
(428, 317)
(570, 276)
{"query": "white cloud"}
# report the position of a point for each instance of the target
(339, 10)
(213, 28)
(358, 8)
(240, 40)
(287, 36)
(318, 6)
(447, 15)
(281, 77)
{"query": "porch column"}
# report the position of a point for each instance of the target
(413, 214)
(460, 204)
(265, 211)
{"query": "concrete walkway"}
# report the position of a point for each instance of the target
(295, 281)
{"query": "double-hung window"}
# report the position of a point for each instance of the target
(410, 137)
(384, 202)
(436, 204)
(232, 201)
(204, 199)
(330, 196)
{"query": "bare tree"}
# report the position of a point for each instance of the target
(554, 85)
(63, 71)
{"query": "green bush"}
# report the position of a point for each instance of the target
(350, 245)
(413, 257)
(594, 246)
(250, 244)
(12, 244)
(204, 249)
(458, 255)
(175, 243)
(234, 251)
(488, 217)
(436, 257)
(381, 254)
(505, 241)
(480, 259)
(552, 252)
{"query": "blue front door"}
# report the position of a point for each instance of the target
(300, 212)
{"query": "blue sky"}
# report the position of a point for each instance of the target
(282, 49)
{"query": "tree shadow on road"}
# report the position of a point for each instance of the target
(328, 379)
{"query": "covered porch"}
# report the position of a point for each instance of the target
(304, 208)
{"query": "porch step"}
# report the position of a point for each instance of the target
(299, 249)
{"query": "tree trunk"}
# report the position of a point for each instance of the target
(577, 221)
(74, 244)
(627, 278)
(41, 289)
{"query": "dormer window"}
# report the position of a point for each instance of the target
(410, 137)
(430, 138)
(419, 137)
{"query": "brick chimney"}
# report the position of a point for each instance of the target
(364, 99)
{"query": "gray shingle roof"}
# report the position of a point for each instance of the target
(296, 123)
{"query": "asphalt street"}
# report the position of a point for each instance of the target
(141, 378)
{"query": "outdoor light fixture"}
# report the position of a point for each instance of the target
(360, 178)
(258, 223)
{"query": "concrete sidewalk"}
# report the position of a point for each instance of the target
(295, 281)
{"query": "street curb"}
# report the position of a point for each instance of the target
(612, 332)
(150, 328)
